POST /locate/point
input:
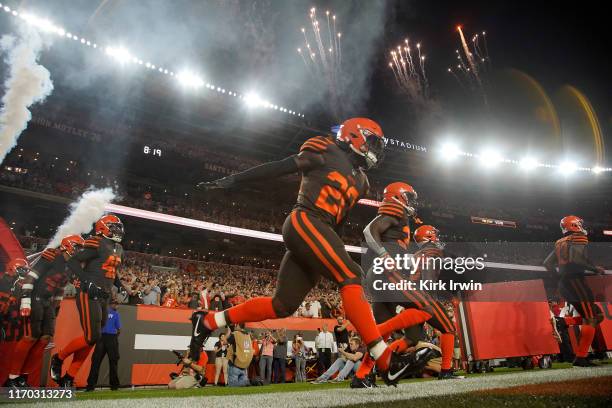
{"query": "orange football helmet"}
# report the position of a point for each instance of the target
(111, 227)
(427, 233)
(403, 194)
(17, 267)
(365, 138)
(572, 223)
(71, 243)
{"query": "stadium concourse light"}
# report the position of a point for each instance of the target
(528, 163)
(189, 79)
(490, 158)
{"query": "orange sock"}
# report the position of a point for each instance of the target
(75, 345)
(447, 345)
(407, 318)
(573, 321)
(77, 360)
(359, 313)
(19, 355)
(34, 359)
(366, 366)
(587, 332)
(253, 310)
(399, 345)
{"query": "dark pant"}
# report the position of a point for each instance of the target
(278, 367)
(92, 314)
(324, 359)
(575, 291)
(108, 344)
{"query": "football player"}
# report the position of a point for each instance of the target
(10, 288)
(419, 306)
(95, 267)
(41, 293)
(570, 255)
(333, 179)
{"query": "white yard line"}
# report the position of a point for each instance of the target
(345, 396)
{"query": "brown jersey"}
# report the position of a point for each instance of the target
(570, 263)
(427, 268)
(400, 233)
(51, 275)
(331, 190)
(102, 257)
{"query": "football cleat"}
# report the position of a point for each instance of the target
(15, 383)
(583, 362)
(56, 368)
(368, 382)
(449, 375)
(402, 365)
(66, 382)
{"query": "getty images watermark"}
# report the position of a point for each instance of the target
(428, 268)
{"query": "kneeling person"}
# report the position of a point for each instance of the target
(193, 375)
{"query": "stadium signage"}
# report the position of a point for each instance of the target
(607, 232)
(404, 145)
(493, 222)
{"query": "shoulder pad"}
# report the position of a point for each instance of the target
(49, 254)
(318, 144)
(92, 242)
(393, 209)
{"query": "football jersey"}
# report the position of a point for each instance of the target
(562, 252)
(52, 274)
(102, 257)
(398, 234)
(331, 190)
(427, 269)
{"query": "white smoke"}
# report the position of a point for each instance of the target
(28, 82)
(83, 213)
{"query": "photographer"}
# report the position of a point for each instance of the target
(239, 355)
(298, 352)
(192, 375)
(266, 356)
(221, 362)
(280, 356)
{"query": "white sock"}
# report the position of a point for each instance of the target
(220, 319)
(378, 349)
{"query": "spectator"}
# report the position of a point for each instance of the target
(194, 303)
(341, 332)
(266, 356)
(151, 293)
(221, 362)
(193, 375)
(280, 356)
(298, 352)
(240, 355)
(347, 363)
(324, 343)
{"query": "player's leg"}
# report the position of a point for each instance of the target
(293, 284)
(92, 315)
(32, 330)
(579, 295)
(321, 247)
(382, 311)
(47, 329)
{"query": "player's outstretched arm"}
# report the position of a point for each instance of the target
(302, 162)
(374, 230)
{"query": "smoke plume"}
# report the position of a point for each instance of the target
(27, 83)
(83, 213)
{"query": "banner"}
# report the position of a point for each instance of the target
(493, 222)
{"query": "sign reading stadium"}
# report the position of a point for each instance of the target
(404, 145)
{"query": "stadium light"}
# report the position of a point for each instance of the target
(120, 54)
(528, 163)
(597, 169)
(189, 79)
(254, 101)
(450, 150)
(490, 158)
(567, 168)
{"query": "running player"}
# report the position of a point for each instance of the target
(41, 292)
(570, 255)
(419, 306)
(10, 289)
(95, 267)
(333, 179)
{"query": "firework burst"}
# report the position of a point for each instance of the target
(408, 66)
(472, 62)
(322, 54)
